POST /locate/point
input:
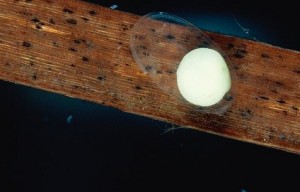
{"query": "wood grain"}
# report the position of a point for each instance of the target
(82, 50)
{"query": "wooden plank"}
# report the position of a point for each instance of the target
(82, 50)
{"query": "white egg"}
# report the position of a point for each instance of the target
(203, 77)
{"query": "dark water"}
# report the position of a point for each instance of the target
(49, 142)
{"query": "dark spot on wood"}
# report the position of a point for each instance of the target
(125, 27)
(186, 39)
(170, 37)
(26, 44)
(279, 83)
(142, 47)
(153, 30)
(230, 45)
(84, 18)
(72, 65)
(38, 26)
(34, 77)
(55, 44)
(272, 133)
(228, 97)
(140, 37)
(285, 113)
(7, 64)
(149, 68)
(28, 1)
(246, 113)
(240, 53)
(236, 67)
(52, 21)
(199, 37)
(89, 44)
(282, 137)
(295, 108)
(72, 49)
(297, 71)
(242, 76)
(264, 55)
(205, 43)
(159, 72)
(67, 11)
(31, 63)
(170, 71)
(35, 20)
(281, 101)
(92, 12)
(264, 98)
(274, 91)
(146, 53)
(42, 23)
(101, 77)
(26, 13)
(71, 21)
(77, 41)
(120, 43)
(138, 87)
(103, 26)
(85, 59)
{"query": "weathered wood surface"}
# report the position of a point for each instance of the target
(82, 50)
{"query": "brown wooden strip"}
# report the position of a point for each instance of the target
(82, 50)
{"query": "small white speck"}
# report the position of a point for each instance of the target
(114, 7)
(69, 119)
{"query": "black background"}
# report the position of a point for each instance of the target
(104, 149)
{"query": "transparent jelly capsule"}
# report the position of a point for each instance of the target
(159, 41)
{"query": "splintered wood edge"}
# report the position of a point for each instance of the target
(81, 50)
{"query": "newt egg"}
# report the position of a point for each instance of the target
(183, 62)
(203, 77)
